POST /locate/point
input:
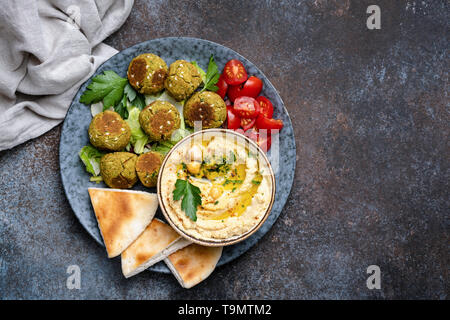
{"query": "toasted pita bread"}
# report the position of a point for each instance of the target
(193, 264)
(122, 215)
(154, 244)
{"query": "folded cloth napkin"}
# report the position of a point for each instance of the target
(47, 50)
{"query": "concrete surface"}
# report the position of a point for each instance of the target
(371, 117)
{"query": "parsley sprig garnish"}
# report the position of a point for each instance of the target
(113, 91)
(107, 87)
(212, 76)
(191, 197)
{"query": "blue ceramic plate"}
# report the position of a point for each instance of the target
(74, 135)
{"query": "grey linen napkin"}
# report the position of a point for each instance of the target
(47, 50)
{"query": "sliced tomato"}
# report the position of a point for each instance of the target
(223, 87)
(234, 72)
(262, 138)
(247, 123)
(246, 107)
(233, 121)
(234, 92)
(269, 124)
(266, 107)
(251, 88)
(252, 134)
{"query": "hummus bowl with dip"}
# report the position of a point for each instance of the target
(216, 187)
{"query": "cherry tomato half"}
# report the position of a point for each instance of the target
(247, 123)
(266, 107)
(252, 134)
(269, 124)
(223, 87)
(246, 107)
(234, 72)
(263, 139)
(251, 88)
(233, 121)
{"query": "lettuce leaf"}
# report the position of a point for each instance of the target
(138, 137)
(91, 159)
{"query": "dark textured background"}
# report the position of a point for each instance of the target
(370, 111)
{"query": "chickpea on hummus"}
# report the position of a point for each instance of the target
(235, 183)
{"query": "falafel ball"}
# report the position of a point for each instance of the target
(147, 167)
(159, 120)
(118, 169)
(147, 72)
(108, 131)
(207, 107)
(183, 79)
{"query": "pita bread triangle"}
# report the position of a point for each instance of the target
(193, 264)
(154, 244)
(122, 215)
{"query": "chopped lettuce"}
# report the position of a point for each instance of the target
(96, 108)
(138, 138)
(150, 98)
(91, 159)
(164, 96)
(180, 134)
(163, 149)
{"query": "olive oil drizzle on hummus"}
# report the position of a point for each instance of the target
(223, 180)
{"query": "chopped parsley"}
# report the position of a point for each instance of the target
(232, 181)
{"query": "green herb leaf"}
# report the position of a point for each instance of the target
(212, 76)
(139, 101)
(190, 195)
(91, 159)
(201, 71)
(108, 87)
(130, 92)
(121, 108)
(180, 189)
(136, 99)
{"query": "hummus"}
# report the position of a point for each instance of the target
(235, 182)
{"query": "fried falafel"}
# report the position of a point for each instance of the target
(147, 168)
(159, 120)
(118, 169)
(147, 73)
(183, 80)
(108, 131)
(207, 107)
